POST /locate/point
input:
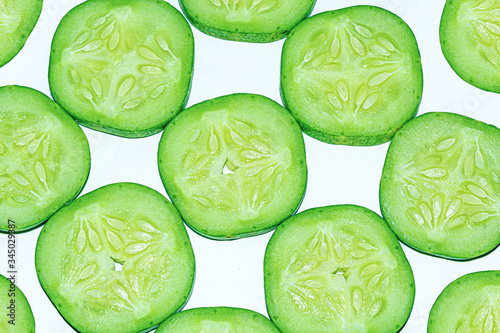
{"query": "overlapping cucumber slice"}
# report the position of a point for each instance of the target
(258, 21)
(468, 304)
(117, 259)
(44, 158)
(440, 185)
(470, 40)
(17, 316)
(337, 269)
(234, 166)
(17, 20)
(217, 320)
(352, 76)
(122, 66)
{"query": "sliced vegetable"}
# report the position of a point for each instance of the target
(117, 259)
(337, 269)
(217, 320)
(17, 317)
(122, 66)
(470, 38)
(468, 304)
(440, 185)
(258, 21)
(44, 158)
(352, 76)
(17, 20)
(234, 166)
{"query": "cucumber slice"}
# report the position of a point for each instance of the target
(217, 320)
(337, 269)
(440, 185)
(117, 259)
(352, 76)
(17, 20)
(17, 317)
(468, 304)
(469, 35)
(44, 158)
(259, 21)
(234, 166)
(123, 67)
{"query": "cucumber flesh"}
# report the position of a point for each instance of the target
(469, 36)
(123, 67)
(468, 304)
(117, 259)
(217, 320)
(337, 269)
(352, 76)
(246, 20)
(17, 20)
(234, 166)
(44, 158)
(440, 185)
(17, 317)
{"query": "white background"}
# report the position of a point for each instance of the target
(230, 273)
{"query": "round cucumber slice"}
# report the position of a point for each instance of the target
(337, 269)
(470, 37)
(123, 67)
(258, 21)
(217, 320)
(44, 158)
(352, 76)
(468, 304)
(234, 166)
(17, 317)
(117, 259)
(440, 185)
(17, 20)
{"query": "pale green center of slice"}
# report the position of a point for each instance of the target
(483, 315)
(483, 18)
(115, 262)
(243, 10)
(346, 69)
(118, 68)
(29, 161)
(232, 165)
(339, 275)
(210, 326)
